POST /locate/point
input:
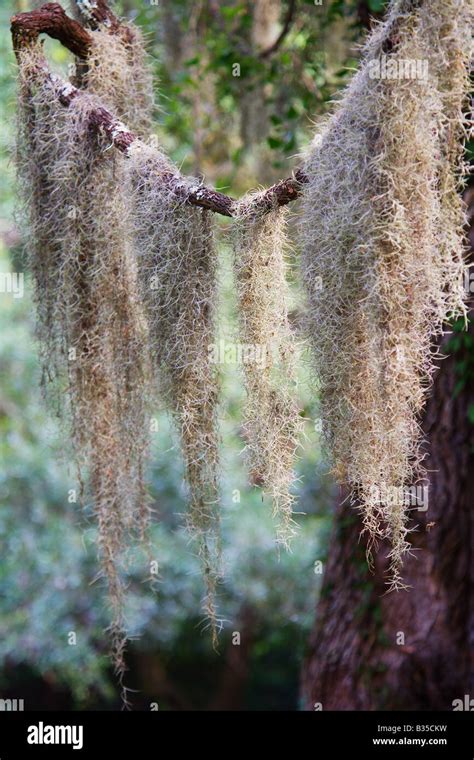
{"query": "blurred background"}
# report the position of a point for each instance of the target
(236, 132)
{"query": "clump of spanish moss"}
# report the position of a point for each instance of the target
(272, 420)
(178, 273)
(90, 324)
(383, 252)
(118, 73)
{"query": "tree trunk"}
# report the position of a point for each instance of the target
(409, 650)
(254, 109)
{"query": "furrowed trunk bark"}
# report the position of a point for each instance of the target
(411, 650)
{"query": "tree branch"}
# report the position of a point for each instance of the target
(50, 19)
(286, 28)
(97, 14)
(366, 15)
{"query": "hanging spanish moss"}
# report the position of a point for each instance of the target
(178, 273)
(272, 421)
(119, 74)
(383, 253)
(91, 327)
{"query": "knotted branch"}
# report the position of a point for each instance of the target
(97, 14)
(52, 20)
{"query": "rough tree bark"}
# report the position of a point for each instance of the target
(354, 661)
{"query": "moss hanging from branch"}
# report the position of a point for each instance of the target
(383, 253)
(272, 421)
(382, 262)
(91, 326)
(120, 76)
(178, 273)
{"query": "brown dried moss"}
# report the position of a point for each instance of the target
(90, 322)
(178, 274)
